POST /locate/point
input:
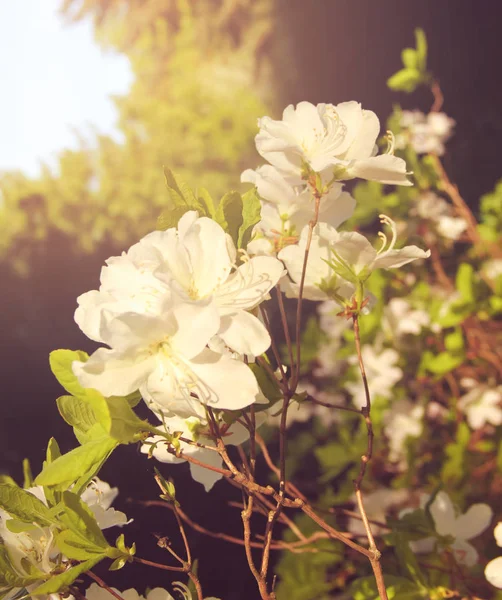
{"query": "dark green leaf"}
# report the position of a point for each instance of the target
(229, 215)
(24, 506)
(63, 580)
(251, 215)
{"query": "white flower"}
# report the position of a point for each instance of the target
(327, 136)
(333, 326)
(448, 522)
(27, 550)
(432, 207)
(287, 207)
(196, 430)
(493, 268)
(493, 570)
(400, 318)
(318, 269)
(402, 420)
(99, 497)
(377, 505)
(96, 592)
(198, 259)
(481, 404)
(381, 372)
(451, 227)
(167, 359)
(353, 252)
(425, 133)
(128, 284)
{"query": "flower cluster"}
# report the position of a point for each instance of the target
(34, 550)
(425, 133)
(177, 313)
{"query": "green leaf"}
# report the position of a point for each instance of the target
(53, 451)
(408, 560)
(499, 458)
(229, 215)
(464, 282)
(251, 215)
(410, 58)
(441, 363)
(59, 582)
(405, 80)
(79, 518)
(454, 341)
(77, 413)
(411, 526)
(7, 480)
(24, 506)
(180, 192)
(126, 426)
(268, 384)
(89, 412)
(74, 546)
(207, 201)
(76, 463)
(61, 362)
(398, 588)
(8, 575)
(454, 467)
(27, 474)
(170, 217)
(421, 44)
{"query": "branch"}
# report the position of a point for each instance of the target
(103, 585)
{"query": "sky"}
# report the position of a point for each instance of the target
(55, 80)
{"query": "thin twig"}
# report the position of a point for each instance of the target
(285, 325)
(104, 585)
(150, 563)
(366, 412)
(299, 305)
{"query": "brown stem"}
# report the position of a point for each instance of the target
(150, 563)
(452, 190)
(366, 412)
(103, 585)
(299, 305)
(438, 96)
(246, 519)
(285, 326)
(333, 533)
(275, 350)
(331, 405)
(196, 582)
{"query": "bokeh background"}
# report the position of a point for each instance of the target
(81, 172)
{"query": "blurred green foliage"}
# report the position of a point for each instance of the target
(200, 69)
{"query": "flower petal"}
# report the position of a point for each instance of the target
(203, 475)
(196, 323)
(397, 258)
(443, 513)
(114, 373)
(493, 572)
(363, 145)
(225, 382)
(206, 244)
(497, 532)
(250, 284)
(464, 553)
(474, 521)
(385, 168)
(244, 333)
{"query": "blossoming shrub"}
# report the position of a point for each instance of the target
(277, 314)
